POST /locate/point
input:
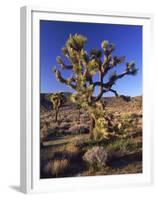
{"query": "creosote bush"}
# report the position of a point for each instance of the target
(96, 157)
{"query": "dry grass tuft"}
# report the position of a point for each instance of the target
(69, 149)
(57, 166)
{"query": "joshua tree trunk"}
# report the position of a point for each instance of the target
(78, 115)
(92, 125)
(56, 114)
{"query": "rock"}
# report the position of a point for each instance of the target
(65, 125)
(84, 115)
(80, 128)
(63, 131)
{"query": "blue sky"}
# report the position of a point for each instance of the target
(127, 38)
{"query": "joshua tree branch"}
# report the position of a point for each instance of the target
(109, 84)
(101, 79)
(111, 63)
(106, 67)
(68, 81)
(67, 67)
(62, 64)
(114, 91)
(99, 95)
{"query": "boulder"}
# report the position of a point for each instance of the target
(79, 128)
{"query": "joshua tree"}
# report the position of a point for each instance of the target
(57, 100)
(84, 69)
(78, 107)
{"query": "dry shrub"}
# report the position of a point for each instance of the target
(57, 167)
(43, 132)
(69, 149)
(96, 157)
(78, 142)
(54, 125)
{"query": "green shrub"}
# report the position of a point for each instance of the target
(121, 145)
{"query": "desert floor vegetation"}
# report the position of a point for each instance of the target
(67, 150)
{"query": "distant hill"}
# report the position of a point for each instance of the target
(134, 105)
(118, 104)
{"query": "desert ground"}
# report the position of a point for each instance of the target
(66, 149)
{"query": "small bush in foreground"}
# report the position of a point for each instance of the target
(96, 157)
